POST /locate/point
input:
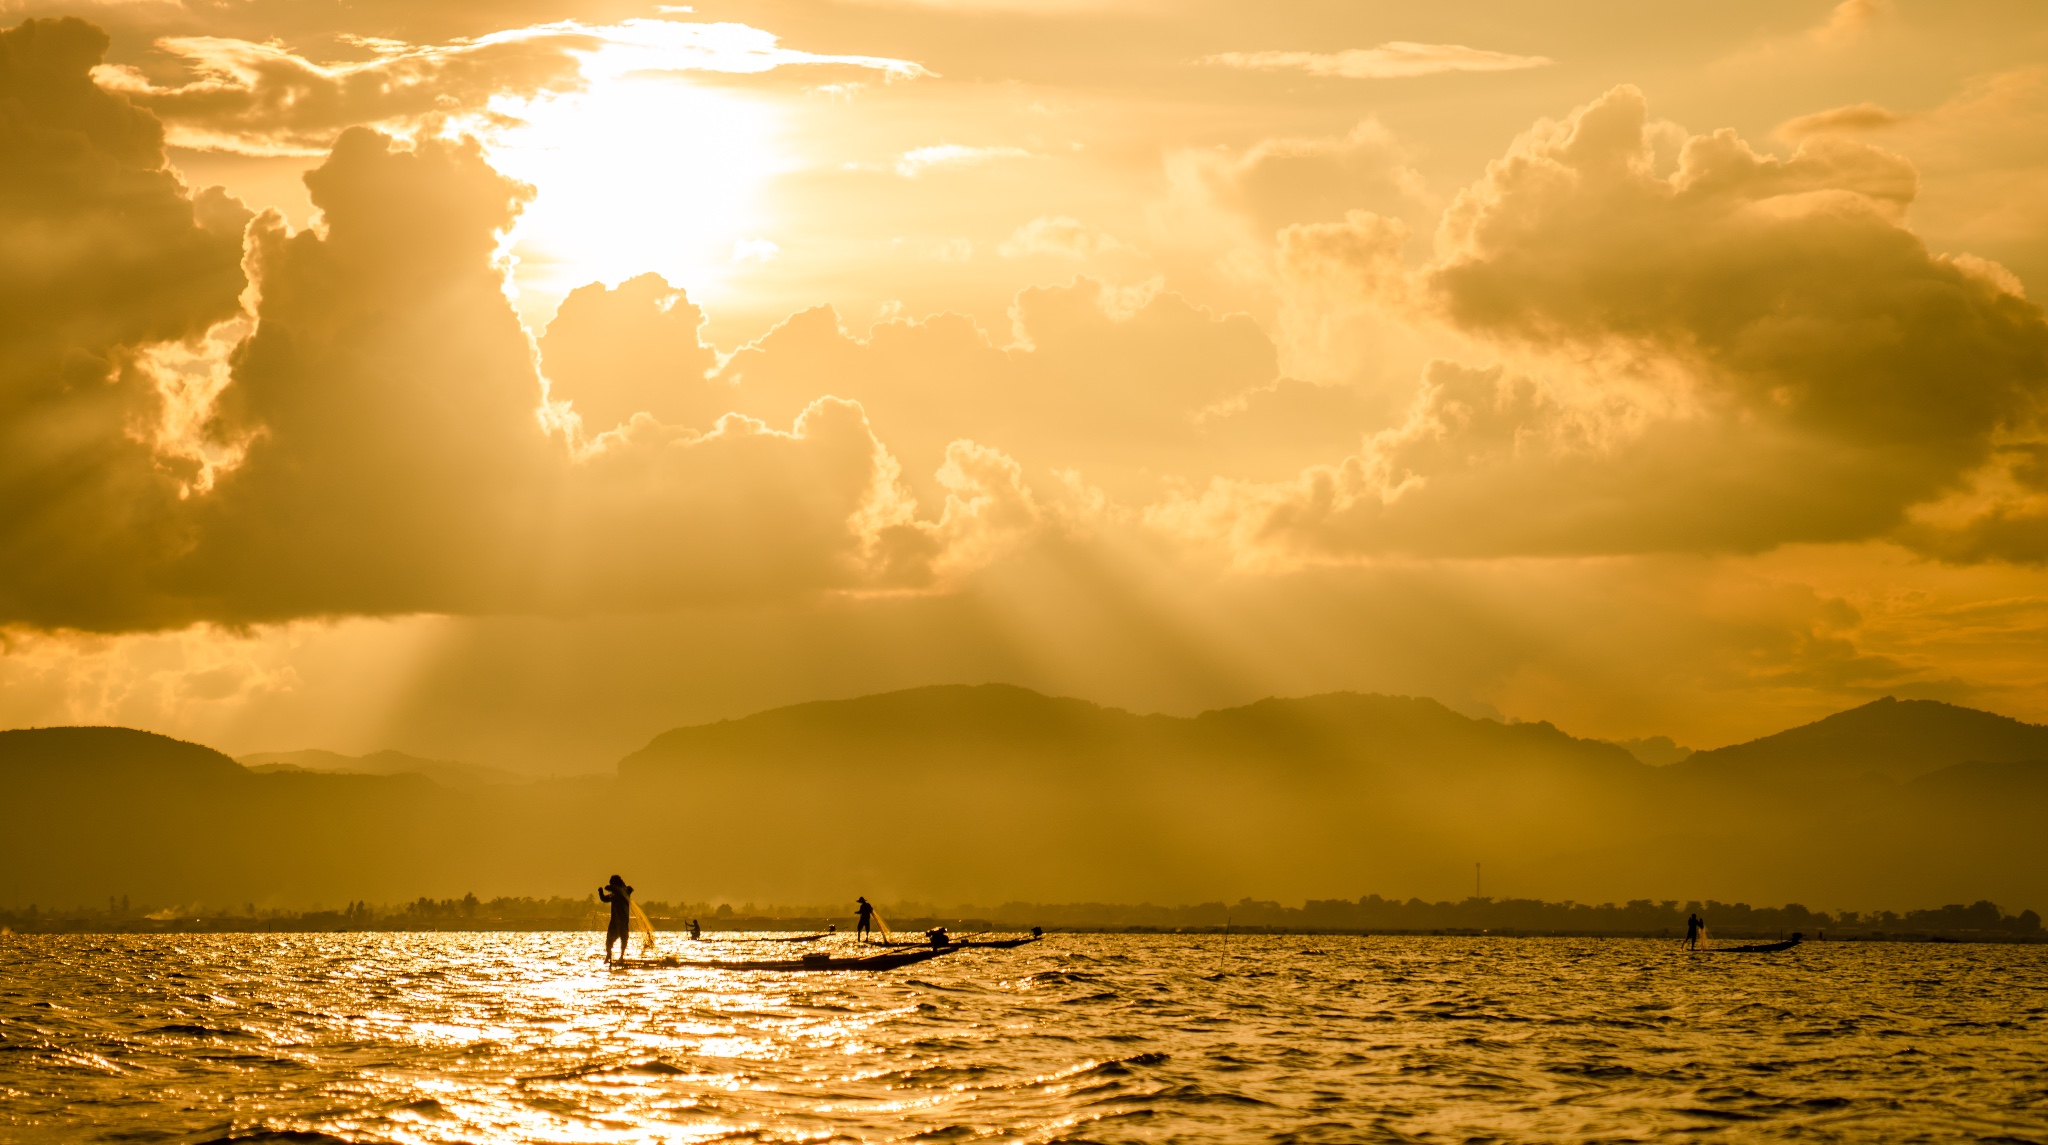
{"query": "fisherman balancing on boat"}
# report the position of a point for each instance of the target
(1693, 927)
(866, 912)
(620, 930)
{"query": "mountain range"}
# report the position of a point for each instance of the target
(449, 772)
(986, 793)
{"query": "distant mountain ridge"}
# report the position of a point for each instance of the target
(1297, 790)
(449, 772)
(1007, 716)
(1897, 739)
(106, 754)
(992, 792)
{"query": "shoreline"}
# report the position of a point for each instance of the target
(959, 927)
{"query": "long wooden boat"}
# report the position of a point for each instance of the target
(807, 962)
(963, 943)
(740, 937)
(1757, 948)
(1000, 943)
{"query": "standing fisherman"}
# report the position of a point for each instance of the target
(866, 911)
(620, 896)
(1693, 926)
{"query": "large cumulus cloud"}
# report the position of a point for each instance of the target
(1735, 353)
(395, 461)
(102, 252)
(379, 443)
(1134, 388)
(1719, 351)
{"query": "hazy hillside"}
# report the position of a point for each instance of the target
(978, 787)
(449, 772)
(1323, 797)
(995, 793)
(94, 812)
(1889, 738)
(113, 756)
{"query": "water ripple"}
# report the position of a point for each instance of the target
(435, 1038)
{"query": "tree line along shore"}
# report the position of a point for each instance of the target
(1982, 921)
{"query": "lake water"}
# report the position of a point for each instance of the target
(526, 1037)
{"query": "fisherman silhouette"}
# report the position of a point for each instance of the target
(1693, 926)
(620, 896)
(867, 915)
(695, 930)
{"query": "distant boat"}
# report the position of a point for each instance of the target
(807, 962)
(1760, 947)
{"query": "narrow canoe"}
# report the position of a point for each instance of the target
(1000, 943)
(962, 943)
(812, 962)
(1757, 948)
(742, 938)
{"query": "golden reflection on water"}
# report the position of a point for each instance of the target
(526, 1038)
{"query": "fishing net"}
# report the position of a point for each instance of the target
(645, 926)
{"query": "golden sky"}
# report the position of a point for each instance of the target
(514, 380)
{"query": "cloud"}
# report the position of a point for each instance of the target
(1744, 353)
(1276, 182)
(103, 254)
(632, 349)
(1851, 20)
(1983, 156)
(264, 99)
(1398, 59)
(661, 516)
(1059, 236)
(951, 156)
(1852, 119)
(372, 439)
(389, 395)
(1359, 255)
(1110, 382)
(401, 459)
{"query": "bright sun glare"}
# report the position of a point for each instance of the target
(641, 172)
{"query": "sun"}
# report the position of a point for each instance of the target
(639, 172)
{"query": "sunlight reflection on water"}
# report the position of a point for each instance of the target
(526, 1037)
